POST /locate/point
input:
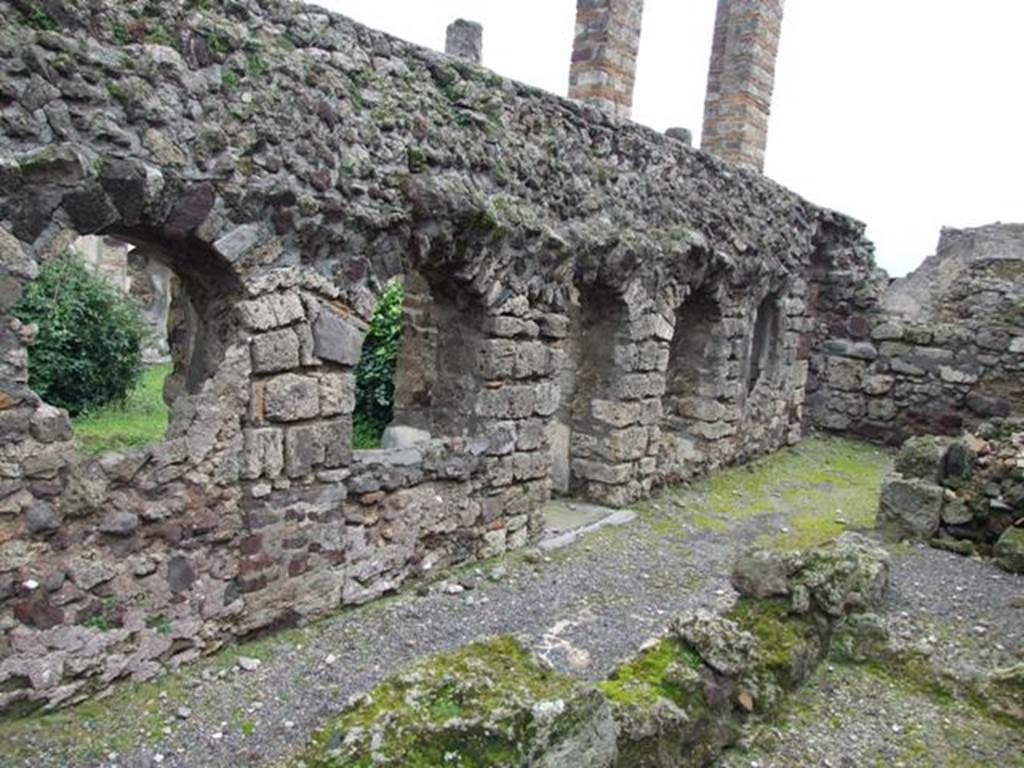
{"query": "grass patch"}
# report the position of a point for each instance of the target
(140, 420)
(824, 486)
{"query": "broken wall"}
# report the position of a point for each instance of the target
(286, 164)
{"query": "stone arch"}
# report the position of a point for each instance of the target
(610, 396)
(764, 353)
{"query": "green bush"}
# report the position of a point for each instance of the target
(375, 374)
(89, 348)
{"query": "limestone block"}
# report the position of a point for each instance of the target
(1017, 345)
(263, 453)
(529, 466)
(713, 430)
(616, 413)
(397, 436)
(531, 434)
(337, 337)
(637, 386)
(624, 444)
(271, 311)
(291, 397)
(612, 474)
(701, 408)
(911, 507)
(337, 393)
(303, 449)
(507, 402)
(275, 351)
(335, 436)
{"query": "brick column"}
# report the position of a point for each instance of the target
(740, 80)
(465, 40)
(604, 52)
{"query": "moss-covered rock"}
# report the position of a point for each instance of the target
(660, 703)
(923, 458)
(850, 573)
(1009, 550)
(488, 704)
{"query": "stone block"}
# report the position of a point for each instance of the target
(41, 518)
(263, 453)
(272, 311)
(507, 402)
(616, 413)
(338, 337)
(599, 471)
(304, 449)
(50, 425)
(291, 397)
(337, 393)
(923, 457)
(844, 373)
(336, 439)
(910, 507)
(622, 445)
(275, 351)
(1009, 550)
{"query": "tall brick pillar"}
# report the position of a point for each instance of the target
(740, 80)
(465, 39)
(604, 52)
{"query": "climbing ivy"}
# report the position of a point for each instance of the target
(375, 374)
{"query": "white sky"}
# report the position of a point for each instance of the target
(907, 114)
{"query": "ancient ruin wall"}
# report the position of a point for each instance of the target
(937, 352)
(633, 311)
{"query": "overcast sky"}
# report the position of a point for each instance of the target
(907, 114)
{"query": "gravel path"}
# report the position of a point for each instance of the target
(583, 608)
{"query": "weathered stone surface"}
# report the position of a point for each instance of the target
(275, 351)
(290, 397)
(1009, 550)
(511, 710)
(923, 458)
(910, 506)
(337, 338)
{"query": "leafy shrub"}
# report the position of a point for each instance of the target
(375, 374)
(89, 348)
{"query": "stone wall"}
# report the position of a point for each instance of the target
(937, 352)
(594, 290)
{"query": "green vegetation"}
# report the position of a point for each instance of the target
(784, 639)
(39, 19)
(88, 351)
(823, 486)
(408, 715)
(375, 374)
(666, 670)
(140, 419)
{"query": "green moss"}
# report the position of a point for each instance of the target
(415, 159)
(783, 638)
(666, 670)
(421, 715)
